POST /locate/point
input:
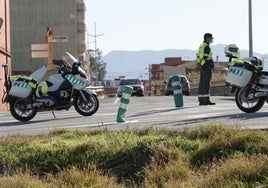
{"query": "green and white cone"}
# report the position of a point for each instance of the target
(127, 90)
(177, 91)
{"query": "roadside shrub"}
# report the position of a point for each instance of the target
(207, 132)
(22, 180)
(221, 145)
(207, 156)
(160, 176)
(183, 144)
(70, 177)
(128, 165)
(88, 177)
(238, 171)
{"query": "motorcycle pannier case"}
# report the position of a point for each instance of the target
(20, 89)
(238, 76)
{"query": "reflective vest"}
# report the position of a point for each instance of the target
(245, 64)
(201, 54)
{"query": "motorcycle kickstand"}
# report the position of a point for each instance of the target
(53, 114)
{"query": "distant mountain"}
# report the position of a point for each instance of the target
(136, 63)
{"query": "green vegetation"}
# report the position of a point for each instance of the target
(206, 156)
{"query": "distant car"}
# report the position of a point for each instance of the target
(138, 87)
(185, 85)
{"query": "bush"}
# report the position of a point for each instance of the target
(88, 177)
(238, 171)
(225, 144)
(205, 156)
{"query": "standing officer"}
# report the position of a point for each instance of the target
(206, 63)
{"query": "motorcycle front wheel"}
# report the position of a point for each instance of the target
(246, 104)
(88, 107)
(19, 109)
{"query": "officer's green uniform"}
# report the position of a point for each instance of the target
(206, 63)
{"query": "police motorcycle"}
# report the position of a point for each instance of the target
(248, 80)
(60, 88)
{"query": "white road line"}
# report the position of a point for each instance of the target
(105, 114)
(206, 115)
(100, 124)
(116, 100)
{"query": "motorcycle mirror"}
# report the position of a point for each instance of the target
(1, 22)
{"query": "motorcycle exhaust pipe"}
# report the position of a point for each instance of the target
(261, 94)
(263, 89)
(38, 104)
(257, 95)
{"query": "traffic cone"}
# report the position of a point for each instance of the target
(127, 90)
(177, 91)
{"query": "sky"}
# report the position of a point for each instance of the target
(135, 25)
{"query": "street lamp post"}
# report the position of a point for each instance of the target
(250, 28)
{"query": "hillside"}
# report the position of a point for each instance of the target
(136, 63)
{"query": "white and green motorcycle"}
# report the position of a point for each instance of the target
(247, 79)
(49, 90)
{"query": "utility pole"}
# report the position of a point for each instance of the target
(95, 50)
(250, 28)
(95, 38)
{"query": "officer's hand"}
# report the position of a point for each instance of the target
(212, 65)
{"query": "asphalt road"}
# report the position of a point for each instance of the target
(141, 112)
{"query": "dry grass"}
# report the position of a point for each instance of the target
(193, 75)
(218, 77)
(207, 156)
(88, 177)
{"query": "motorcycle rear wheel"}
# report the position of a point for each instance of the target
(20, 111)
(88, 107)
(248, 105)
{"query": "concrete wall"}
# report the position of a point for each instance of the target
(4, 44)
(29, 22)
(215, 90)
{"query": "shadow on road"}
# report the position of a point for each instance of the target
(17, 123)
(195, 120)
(156, 112)
(238, 117)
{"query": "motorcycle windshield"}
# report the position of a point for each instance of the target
(71, 58)
(67, 61)
(38, 75)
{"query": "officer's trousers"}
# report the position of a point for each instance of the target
(204, 84)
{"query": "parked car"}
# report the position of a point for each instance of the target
(185, 85)
(138, 87)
